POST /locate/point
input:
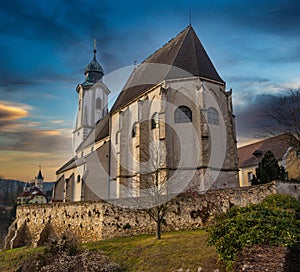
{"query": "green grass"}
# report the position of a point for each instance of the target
(10, 260)
(181, 249)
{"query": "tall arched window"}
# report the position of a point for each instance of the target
(212, 116)
(155, 121)
(183, 114)
(117, 137)
(98, 103)
(133, 131)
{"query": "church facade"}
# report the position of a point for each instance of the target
(171, 128)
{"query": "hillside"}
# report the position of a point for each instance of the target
(177, 250)
(9, 190)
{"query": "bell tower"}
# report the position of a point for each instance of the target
(92, 101)
(39, 179)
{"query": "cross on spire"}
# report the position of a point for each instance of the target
(95, 50)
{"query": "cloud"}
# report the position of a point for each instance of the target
(36, 140)
(12, 111)
(248, 116)
(19, 133)
(57, 122)
(275, 17)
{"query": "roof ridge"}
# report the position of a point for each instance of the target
(254, 143)
(168, 42)
(184, 51)
(195, 36)
(266, 139)
(183, 39)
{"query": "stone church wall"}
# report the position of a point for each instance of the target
(92, 221)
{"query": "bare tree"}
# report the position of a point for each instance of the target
(153, 181)
(158, 199)
(283, 115)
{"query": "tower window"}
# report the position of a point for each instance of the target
(183, 114)
(117, 137)
(133, 131)
(212, 116)
(155, 121)
(98, 103)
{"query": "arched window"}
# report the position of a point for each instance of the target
(117, 137)
(133, 131)
(183, 114)
(155, 121)
(212, 116)
(98, 103)
(78, 178)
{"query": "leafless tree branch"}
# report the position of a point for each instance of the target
(282, 116)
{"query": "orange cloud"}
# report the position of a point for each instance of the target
(25, 144)
(9, 112)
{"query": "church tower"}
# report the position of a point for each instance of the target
(39, 179)
(92, 101)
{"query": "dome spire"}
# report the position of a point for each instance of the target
(94, 71)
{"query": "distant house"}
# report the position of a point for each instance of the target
(33, 196)
(284, 147)
(33, 192)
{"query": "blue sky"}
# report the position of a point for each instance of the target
(45, 46)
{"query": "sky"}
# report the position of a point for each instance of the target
(45, 46)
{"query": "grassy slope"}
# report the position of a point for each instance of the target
(182, 249)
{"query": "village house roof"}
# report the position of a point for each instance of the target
(31, 193)
(183, 56)
(251, 154)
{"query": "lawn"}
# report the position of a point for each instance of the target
(176, 250)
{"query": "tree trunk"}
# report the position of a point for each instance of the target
(158, 230)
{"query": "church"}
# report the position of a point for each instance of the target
(171, 129)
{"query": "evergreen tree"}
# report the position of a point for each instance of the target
(268, 170)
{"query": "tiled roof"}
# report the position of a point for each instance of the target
(100, 132)
(25, 194)
(33, 192)
(184, 52)
(252, 154)
(72, 163)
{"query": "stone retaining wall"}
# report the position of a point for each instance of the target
(92, 221)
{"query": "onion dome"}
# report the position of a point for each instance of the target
(93, 71)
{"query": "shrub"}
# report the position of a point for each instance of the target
(67, 244)
(274, 221)
(64, 254)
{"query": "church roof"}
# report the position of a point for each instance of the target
(94, 66)
(72, 163)
(93, 72)
(40, 176)
(251, 154)
(183, 56)
(100, 132)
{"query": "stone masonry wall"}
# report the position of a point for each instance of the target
(92, 221)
